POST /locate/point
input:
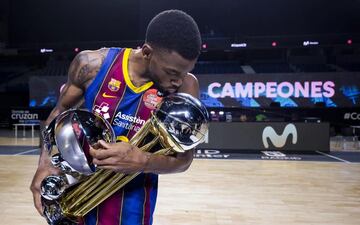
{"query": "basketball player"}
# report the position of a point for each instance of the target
(124, 85)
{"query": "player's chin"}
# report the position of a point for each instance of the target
(171, 90)
(167, 91)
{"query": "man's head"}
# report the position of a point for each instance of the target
(175, 30)
(172, 46)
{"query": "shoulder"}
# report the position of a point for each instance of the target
(92, 58)
(190, 85)
(86, 65)
(190, 80)
(191, 77)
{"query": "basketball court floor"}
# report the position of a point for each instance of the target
(221, 187)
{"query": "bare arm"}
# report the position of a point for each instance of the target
(82, 70)
(123, 157)
(181, 162)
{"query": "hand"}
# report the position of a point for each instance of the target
(42, 171)
(120, 157)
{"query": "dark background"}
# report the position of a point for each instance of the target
(27, 76)
(49, 21)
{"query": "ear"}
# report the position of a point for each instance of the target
(147, 51)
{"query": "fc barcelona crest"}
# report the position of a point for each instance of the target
(114, 85)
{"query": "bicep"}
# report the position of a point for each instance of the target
(82, 70)
(72, 93)
(185, 159)
(70, 96)
(190, 86)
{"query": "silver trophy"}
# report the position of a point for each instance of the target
(178, 124)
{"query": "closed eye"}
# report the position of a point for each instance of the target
(171, 72)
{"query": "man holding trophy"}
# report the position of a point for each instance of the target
(133, 107)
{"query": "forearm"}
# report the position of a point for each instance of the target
(161, 164)
(71, 94)
(123, 157)
(44, 159)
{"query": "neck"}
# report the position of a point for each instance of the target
(138, 68)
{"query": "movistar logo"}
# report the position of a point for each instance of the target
(279, 141)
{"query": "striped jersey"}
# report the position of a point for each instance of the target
(126, 107)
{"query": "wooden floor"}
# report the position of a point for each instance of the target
(221, 192)
(7, 137)
(11, 141)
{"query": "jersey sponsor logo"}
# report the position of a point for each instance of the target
(130, 118)
(107, 96)
(128, 122)
(151, 98)
(102, 110)
(114, 85)
(279, 141)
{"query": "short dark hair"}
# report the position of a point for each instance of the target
(175, 30)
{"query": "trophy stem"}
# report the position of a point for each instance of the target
(85, 185)
(118, 181)
(80, 195)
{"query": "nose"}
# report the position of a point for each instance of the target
(176, 82)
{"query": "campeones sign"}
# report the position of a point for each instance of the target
(307, 89)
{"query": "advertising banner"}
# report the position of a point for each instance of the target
(302, 90)
(268, 136)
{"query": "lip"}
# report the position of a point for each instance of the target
(171, 90)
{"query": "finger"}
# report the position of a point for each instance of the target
(113, 168)
(103, 144)
(101, 154)
(96, 145)
(93, 151)
(54, 171)
(107, 167)
(106, 162)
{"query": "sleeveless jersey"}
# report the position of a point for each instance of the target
(126, 107)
